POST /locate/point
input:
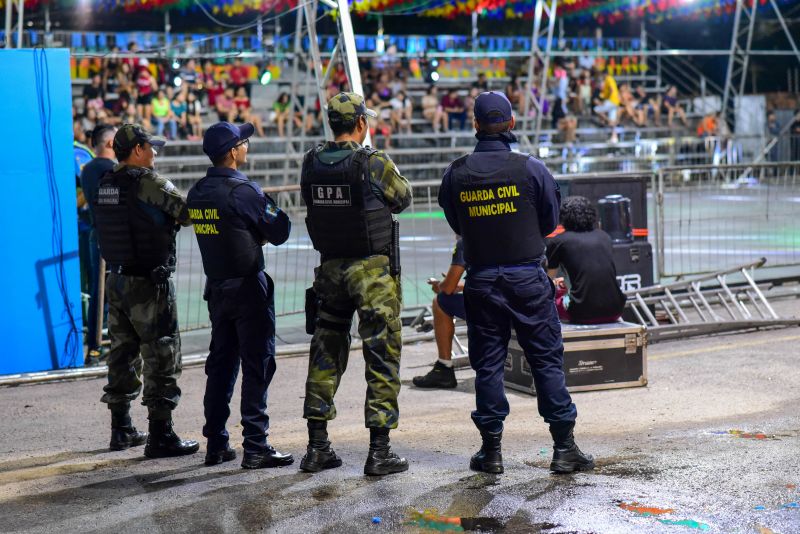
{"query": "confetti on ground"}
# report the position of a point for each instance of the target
(791, 486)
(758, 435)
(432, 520)
(636, 508)
(791, 505)
(685, 523)
(543, 451)
(764, 530)
(759, 507)
(376, 520)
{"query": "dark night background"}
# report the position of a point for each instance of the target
(715, 33)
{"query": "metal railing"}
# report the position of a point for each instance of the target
(424, 157)
(709, 217)
(705, 218)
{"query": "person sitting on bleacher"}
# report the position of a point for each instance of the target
(584, 253)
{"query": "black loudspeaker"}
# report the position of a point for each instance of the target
(634, 264)
(599, 187)
(615, 218)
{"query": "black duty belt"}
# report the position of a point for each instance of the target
(130, 271)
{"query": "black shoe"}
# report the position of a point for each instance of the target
(268, 458)
(440, 376)
(163, 442)
(567, 457)
(315, 460)
(489, 458)
(570, 460)
(126, 437)
(217, 457)
(381, 460)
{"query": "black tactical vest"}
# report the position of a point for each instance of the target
(128, 236)
(228, 250)
(345, 219)
(499, 224)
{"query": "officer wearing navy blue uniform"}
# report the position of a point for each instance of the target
(233, 219)
(503, 203)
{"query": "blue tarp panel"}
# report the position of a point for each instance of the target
(40, 324)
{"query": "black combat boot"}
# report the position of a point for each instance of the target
(381, 460)
(123, 434)
(567, 457)
(319, 454)
(269, 458)
(488, 459)
(440, 376)
(217, 457)
(163, 442)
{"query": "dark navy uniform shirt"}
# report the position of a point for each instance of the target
(488, 155)
(257, 211)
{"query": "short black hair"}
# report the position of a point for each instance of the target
(123, 153)
(494, 128)
(101, 134)
(344, 127)
(220, 160)
(578, 214)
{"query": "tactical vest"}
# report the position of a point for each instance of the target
(128, 236)
(499, 224)
(345, 219)
(228, 250)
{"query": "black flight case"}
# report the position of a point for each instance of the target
(603, 356)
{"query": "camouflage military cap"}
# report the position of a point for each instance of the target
(130, 135)
(346, 107)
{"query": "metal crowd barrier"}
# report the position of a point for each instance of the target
(710, 217)
(705, 218)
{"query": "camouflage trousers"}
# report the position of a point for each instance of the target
(145, 343)
(364, 286)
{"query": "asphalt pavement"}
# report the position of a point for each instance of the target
(711, 444)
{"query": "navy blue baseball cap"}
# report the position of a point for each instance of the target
(492, 107)
(223, 136)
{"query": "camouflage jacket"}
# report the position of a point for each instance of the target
(388, 184)
(162, 194)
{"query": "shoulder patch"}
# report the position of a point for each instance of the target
(168, 187)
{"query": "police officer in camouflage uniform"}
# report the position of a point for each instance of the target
(351, 192)
(137, 214)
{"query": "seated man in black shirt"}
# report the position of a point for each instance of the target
(584, 252)
(448, 303)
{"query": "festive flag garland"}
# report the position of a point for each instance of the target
(584, 11)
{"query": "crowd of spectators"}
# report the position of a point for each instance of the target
(169, 99)
(172, 99)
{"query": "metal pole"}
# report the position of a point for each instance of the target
(48, 38)
(167, 29)
(551, 16)
(8, 23)
(748, 46)
(20, 20)
(785, 28)
(313, 48)
(731, 59)
(349, 52)
(474, 31)
(101, 299)
(298, 45)
(537, 24)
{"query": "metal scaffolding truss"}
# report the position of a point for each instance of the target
(538, 57)
(741, 49)
(305, 64)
